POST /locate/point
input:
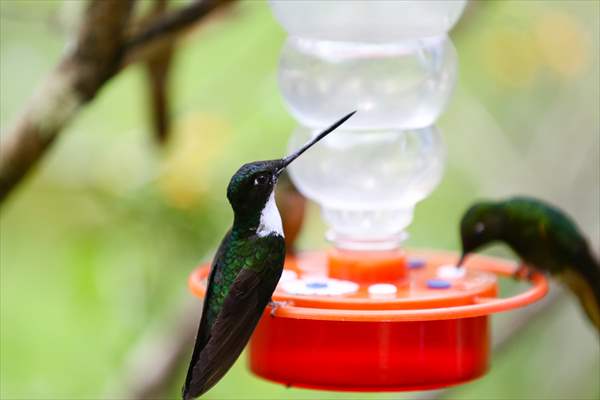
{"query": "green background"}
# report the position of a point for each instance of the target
(96, 246)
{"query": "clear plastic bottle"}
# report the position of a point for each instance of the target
(368, 182)
(391, 61)
(396, 85)
(367, 21)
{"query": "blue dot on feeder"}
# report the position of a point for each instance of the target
(438, 284)
(416, 263)
(316, 285)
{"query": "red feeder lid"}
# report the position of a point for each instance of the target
(351, 322)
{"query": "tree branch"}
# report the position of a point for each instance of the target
(74, 82)
(158, 67)
(99, 53)
(167, 28)
(174, 22)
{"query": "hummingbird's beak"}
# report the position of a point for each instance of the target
(287, 160)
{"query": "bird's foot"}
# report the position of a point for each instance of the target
(275, 306)
(523, 272)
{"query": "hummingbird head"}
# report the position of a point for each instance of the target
(251, 187)
(482, 224)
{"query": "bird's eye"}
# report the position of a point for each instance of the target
(261, 180)
(479, 227)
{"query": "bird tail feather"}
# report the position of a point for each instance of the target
(586, 286)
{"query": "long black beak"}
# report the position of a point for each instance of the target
(287, 160)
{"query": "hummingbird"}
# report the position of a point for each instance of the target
(244, 271)
(543, 237)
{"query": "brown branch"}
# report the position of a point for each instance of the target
(101, 49)
(74, 82)
(157, 68)
(164, 30)
(174, 22)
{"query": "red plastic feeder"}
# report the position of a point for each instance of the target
(380, 321)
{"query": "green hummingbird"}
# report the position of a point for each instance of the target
(244, 272)
(543, 237)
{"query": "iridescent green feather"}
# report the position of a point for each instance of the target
(260, 254)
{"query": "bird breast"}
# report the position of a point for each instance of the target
(270, 220)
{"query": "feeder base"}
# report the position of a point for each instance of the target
(427, 329)
(376, 356)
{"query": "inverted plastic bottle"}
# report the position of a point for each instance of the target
(391, 61)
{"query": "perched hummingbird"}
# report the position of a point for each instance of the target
(244, 272)
(543, 237)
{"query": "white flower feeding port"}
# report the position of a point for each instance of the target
(367, 315)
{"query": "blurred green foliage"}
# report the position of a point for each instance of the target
(96, 246)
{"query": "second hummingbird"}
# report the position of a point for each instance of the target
(244, 272)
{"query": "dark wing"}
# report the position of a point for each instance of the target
(242, 309)
(585, 291)
(204, 328)
(580, 271)
(549, 238)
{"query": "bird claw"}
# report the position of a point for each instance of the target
(523, 272)
(275, 306)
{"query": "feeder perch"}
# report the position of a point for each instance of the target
(367, 315)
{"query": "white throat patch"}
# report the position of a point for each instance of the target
(270, 220)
